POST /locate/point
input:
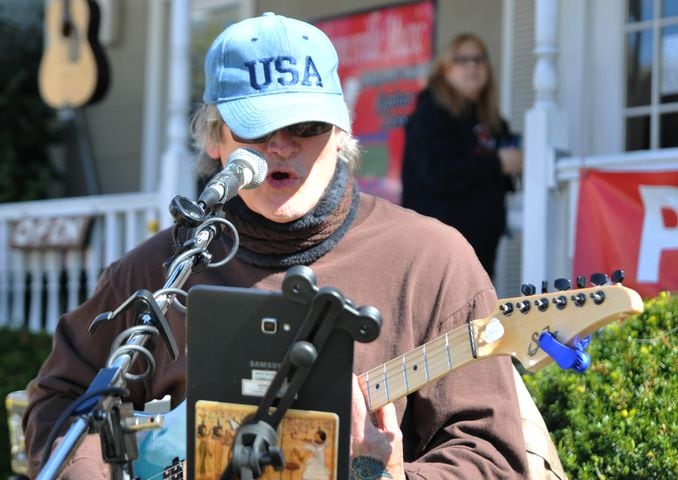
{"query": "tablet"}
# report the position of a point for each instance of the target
(237, 340)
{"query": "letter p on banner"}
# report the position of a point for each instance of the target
(629, 220)
(660, 229)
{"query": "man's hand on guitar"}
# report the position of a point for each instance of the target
(376, 440)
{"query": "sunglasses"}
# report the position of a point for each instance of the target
(303, 129)
(468, 59)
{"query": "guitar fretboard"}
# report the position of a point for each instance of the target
(411, 371)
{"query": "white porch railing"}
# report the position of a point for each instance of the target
(38, 285)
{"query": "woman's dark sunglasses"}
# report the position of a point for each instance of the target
(303, 129)
(469, 59)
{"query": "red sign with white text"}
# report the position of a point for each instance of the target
(629, 221)
(384, 57)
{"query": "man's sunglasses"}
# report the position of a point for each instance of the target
(303, 129)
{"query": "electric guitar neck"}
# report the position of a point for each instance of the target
(514, 329)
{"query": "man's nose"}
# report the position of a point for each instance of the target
(282, 143)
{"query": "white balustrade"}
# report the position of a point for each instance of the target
(73, 274)
(39, 283)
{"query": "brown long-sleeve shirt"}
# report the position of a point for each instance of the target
(423, 277)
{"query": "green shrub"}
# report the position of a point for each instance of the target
(619, 419)
(21, 354)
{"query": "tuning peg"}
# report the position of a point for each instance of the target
(506, 308)
(581, 281)
(598, 297)
(562, 284)
(524, 306)
(560, 302)
(528, 289)
(618, 276)
(579, 299)
(599, 279)
(542, 304)
(544, 286)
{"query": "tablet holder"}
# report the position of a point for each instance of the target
(256, 441)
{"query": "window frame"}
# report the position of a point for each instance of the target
(655, 108)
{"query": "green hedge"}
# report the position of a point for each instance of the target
(618, 420)
(21, 355)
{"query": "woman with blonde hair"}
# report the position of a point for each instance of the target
(460, 155)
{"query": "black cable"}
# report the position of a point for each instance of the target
(66, 414)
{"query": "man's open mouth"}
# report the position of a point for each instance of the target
(280, 175)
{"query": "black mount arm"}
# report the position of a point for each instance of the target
(255, 443)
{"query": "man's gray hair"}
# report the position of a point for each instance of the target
(206, 131)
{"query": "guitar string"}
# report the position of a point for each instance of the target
(393, 369)
(172, 474)
(459, 338)
(436, 360)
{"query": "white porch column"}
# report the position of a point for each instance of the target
(176, 172)
(153, 98)
(544, 133)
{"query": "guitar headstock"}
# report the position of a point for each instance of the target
(568, 314)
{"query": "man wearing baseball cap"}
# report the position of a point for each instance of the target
(272, 86)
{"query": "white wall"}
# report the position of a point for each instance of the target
(115, 123)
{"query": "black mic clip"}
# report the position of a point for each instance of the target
(186, 212)
(190, 215)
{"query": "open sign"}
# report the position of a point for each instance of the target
(50, 233)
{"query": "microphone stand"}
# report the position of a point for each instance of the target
(101, 409)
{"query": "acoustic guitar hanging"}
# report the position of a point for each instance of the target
(73, 69)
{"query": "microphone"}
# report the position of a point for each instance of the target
(245, 168)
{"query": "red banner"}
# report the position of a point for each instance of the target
(384, 58)
(629, 220)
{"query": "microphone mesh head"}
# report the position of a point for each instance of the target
(253, 160)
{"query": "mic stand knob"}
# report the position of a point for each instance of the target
(253, 449)
(186, 212)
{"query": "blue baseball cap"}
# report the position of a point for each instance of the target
(268, 72)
